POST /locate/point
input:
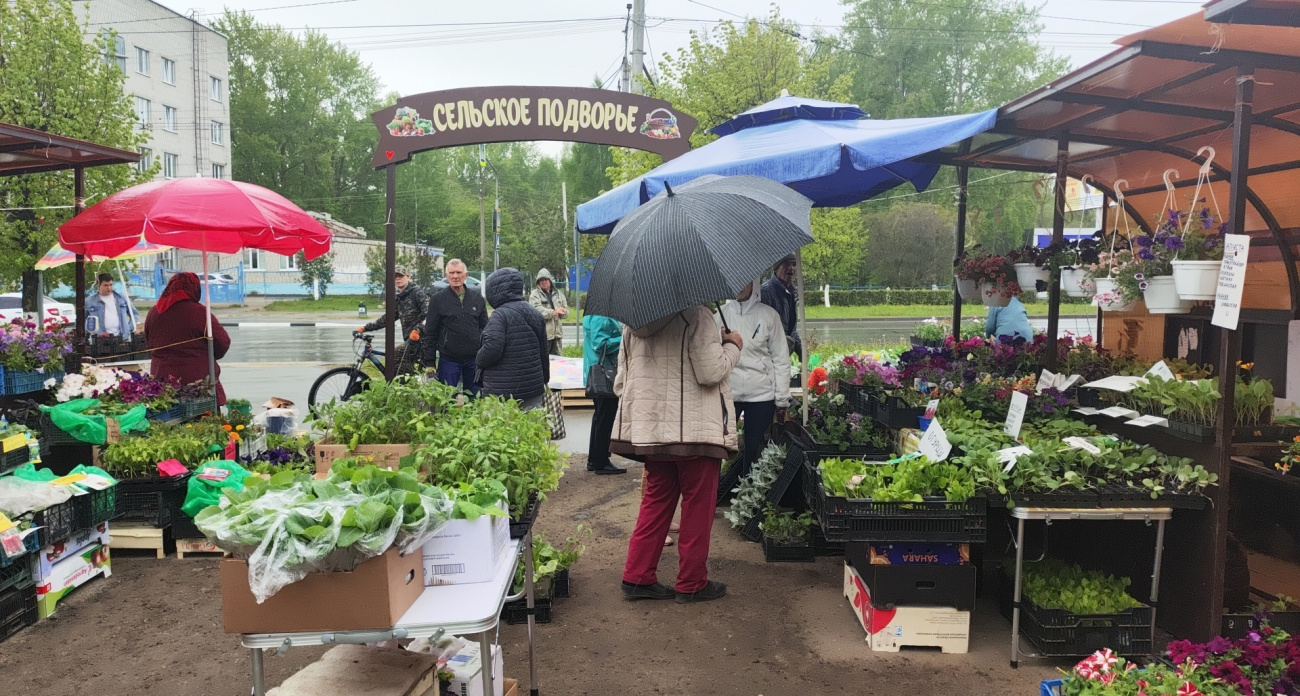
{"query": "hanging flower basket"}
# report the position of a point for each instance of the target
(1196, 280)
(995, 296)
(1162, 297)
(1109, 298)
(1075, 283)
(1028, 275)
(968, 288)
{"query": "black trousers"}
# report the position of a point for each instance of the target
(758, 421)
(602, 426)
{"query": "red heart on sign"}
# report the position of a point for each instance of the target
(389, 153)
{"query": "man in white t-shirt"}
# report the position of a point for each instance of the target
(108, 312)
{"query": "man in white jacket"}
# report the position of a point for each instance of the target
(760, 382)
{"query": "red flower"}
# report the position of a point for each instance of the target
(1188, 690)
(817, 381)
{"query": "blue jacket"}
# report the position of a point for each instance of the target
(599, 334)
(1011, 320)
(127, 317)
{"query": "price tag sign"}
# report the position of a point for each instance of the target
(1087, 410)
(1162, 371)
(1016, 413)
(1232, 280)
(114, 431)
(1045, 380)
(210, 473)
(934, 443)
(13, 442)
(1119, 412)
(68, 480)
(1081, 443)
(1146, 421)
(1124, 383)
(931, 408)
(1010, 455)
(12, 543)
(96, 482)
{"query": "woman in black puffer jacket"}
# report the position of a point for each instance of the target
(513, 361)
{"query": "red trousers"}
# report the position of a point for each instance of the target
(695, 481)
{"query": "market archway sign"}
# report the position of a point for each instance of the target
(475, 115)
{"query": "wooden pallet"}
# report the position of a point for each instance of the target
(138, 535)
(576, 398)
(193, 546)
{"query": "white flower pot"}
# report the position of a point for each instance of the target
(1107, 286)
(968, 289)
(1162, 297)
(993, 298)
(1028, 275)
(1074, 281)
(1196, 280)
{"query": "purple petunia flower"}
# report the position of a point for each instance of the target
(1146, 255)
(1143, 241)
(1212, 241)
(1206, 220)
(1223, 227)
(1174, 243)
(1140, 276)
(1142, 285)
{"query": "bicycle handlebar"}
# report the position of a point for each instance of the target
(363, 336)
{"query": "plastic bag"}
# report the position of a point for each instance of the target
(19, 495)
(70, 419)
(204, 491)
(280, 417)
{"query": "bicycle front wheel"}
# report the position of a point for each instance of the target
(338, 384)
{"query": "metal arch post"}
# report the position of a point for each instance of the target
(390, 291)
(803, 336)
(1058, 235)
(1105, 209)
(963, 196)
(78, 205)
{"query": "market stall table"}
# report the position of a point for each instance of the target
(473, 609)
(1156, 514)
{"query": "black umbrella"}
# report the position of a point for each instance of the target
(699, 244)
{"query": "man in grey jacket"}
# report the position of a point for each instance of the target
(553, 306)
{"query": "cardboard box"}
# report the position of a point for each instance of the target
(889, 630)
(374, 595)
(359, 670)
(465, 552)
(466, 665)
(914, 553)
(386, 456)
(63, 549)
(912, 584)
(70, 573)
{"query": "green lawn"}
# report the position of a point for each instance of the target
(329, 303)
(925, 311)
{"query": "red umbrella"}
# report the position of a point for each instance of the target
(193, 213)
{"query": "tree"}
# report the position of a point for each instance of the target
(52, 80)
(300, 106)
(319, 270)
(376, 278)
(911, 245)
(840, 248)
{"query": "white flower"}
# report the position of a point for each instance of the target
(50, 382)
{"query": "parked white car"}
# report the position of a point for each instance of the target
(215, 278)
(11, 307)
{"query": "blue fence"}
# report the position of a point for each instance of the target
(224, 285)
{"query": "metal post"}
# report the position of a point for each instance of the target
(259, 673)
(390, 291)
(1058, 235)
(1015, 597)
(486, 663)
(803, 336)
(963, 179)
(78, 205)
(1155, 580)
(530, 602)
(1105, 208)
(482, 229)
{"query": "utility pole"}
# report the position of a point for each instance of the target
(625, 85)
(577, 262)
(496, 226)
(638, 46)
(482, 229)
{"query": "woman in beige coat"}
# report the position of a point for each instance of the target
(675, 414)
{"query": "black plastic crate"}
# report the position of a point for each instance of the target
(195, 408)
(914, 585)
(800, 437)
(176, 412)
(752, 531)
(934, 519)
(1115, 495)
(20, 572)
(516, 612)
(1059, 633)
(785, 553)
(57, 522)
(155, 499)
(822, 547)
(1264, 433)
(15, 458)
(17, 610)
(95, 507)
(519, 528)
(1060, 498)
(561, 583)
(183, 526)
(55, 435)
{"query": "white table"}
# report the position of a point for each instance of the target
(1146, 515)
(473, 609)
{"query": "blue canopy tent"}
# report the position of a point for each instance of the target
(824, 150)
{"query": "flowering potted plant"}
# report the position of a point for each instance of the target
(994, 275)
(1197, 255)
(1071, 260)
(966, 271)
(1030, 272)
(1150, 272)
(32, 358)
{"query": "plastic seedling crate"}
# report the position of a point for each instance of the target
(1059, 633)
(1090, 398)
(55, 435)
(752, 531)
(14, 458)
(933, 519)
(57, 522)
(95, 507)
(519, 528)
(1062, 498)
(198, 407)
(1191, 431)
(803, 552)
(153, 499)
(28, 382)
(17, 610)
(183, 526)
(895, 413)
(516, 612)
(1264, 433)
(18, 573)
(561, 584)
(176, 412)
(1051, 687)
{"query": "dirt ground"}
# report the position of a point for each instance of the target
(154, 627)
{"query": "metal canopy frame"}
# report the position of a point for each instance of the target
(1279, 13)
(27, 151)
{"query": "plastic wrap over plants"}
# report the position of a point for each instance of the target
(293, 525)
(18, 495)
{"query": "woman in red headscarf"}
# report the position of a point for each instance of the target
(177, 330)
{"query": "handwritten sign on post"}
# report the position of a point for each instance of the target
(1232, 281)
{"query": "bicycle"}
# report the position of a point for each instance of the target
(343, 383)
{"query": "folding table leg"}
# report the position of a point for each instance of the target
(259, 676)
(487, 663)
(1155, 579)
(1015, 596)
(531, 603)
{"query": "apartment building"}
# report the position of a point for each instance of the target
(177, 71)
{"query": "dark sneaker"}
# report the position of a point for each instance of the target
(655, 591)
(607, 470)
(712, 590)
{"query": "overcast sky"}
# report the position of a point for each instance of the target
(423, 46)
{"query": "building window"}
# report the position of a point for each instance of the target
(289, 263)
(169, 71)
(142, 111)
(218, 171)
(218, 133)
(214, 88)
(253, 257)
(146, 159)
(141, 61)
(169, 118)
(115, 53)
(170, 163)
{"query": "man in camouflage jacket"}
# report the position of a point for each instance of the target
(412, 308)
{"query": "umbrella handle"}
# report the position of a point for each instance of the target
(723, 317)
